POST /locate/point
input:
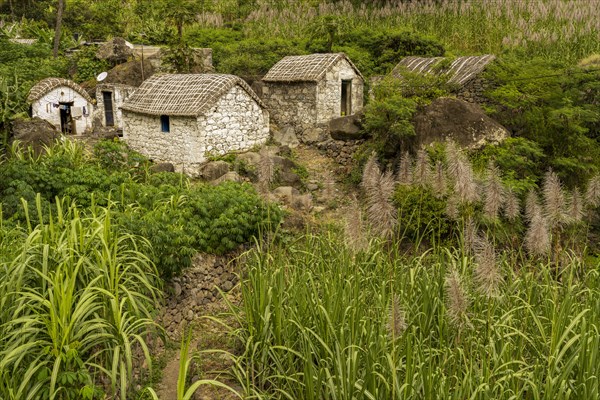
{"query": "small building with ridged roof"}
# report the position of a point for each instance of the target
(183, 119)
(308, 90)
(63, 103)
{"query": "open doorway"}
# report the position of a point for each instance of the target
(67, 123)
(346, 108)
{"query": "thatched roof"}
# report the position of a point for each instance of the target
(46, 85)
(310, 68)
(460, 71)
(183, 94)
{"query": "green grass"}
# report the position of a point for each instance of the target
(315, 326)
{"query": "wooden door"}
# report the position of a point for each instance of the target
(108, 108)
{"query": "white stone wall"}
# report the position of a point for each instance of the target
(120, 93)
(329, 92)
(293, 103)
(44, 109)
(235, 123)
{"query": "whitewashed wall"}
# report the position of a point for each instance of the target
(119, 93)
(235, 123)
(329, 92)
(44, 109)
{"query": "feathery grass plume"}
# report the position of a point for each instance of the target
(354, 228)
(381, 213)
(576, 206)
(371, 173)
(422, 168)
(452, 207)
(554, 199)
(461, 171)
(487, 274)
(532, 205)
(265, 170)
(396, 318)
(592, 194)
(405, 169)
(511, 205)
(438, 182)
(494, 192)
(537, 238)
(457, 301)
(470, 235)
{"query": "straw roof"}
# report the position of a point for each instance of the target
(460, 71)
(183, 94)
(46, 85)
(310, 68)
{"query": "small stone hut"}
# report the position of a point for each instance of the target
(63, 103)
(306, 91)
(464, 73)
(109, 99)
(185, 118)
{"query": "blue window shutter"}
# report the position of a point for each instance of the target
(165, 125)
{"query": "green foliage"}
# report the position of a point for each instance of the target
(557, 110)
(85, 65)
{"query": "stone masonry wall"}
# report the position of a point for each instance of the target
(329, 92)
(120, 93)
(235, 123)
(44, 108)
(293, 103)
(473, 91)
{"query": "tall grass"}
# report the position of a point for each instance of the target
(315, 324)
(76, 300)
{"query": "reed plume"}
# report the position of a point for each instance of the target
(488, 277)
(592, 194)
(405, 169)
(457, 301)
(396, 318)
(512, 209)
(554, 199)
(461, 171)
(438, 182)
(537, 238)
(532, 205)
(422, 169)
(379, 189)
(354, 228)
(452, 210)
(494, 192)
(576, 206)
(470, 235)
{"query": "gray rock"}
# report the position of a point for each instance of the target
(286, 136)
(177, 289)
(346, 128)
(35, 133)
(312, 186)
(465, 123)
(285, 193)
(227, 286)
(313, 135)
(162, 167)
(115, 51)
(213, 170)
(229, 176)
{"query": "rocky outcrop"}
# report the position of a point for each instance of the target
(35, 133)
(463, 122)
(213, 170)
(115, 51)
(346, 128)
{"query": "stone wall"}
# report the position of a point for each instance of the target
(329, 92)
(235, 123)
(473, 91)
(293, 103)
(341, 151)
(44, 108)
(119, 93)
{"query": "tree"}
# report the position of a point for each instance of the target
(59, 15)
(180, 12)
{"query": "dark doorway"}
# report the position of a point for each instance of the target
(67, 123)
(108, 108)
(346, 108)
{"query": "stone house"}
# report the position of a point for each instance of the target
(185, 118)
(63, 103)
(463, 73)
(307, 91)
(109, 99)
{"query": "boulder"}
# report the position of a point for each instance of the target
(285, 194)
(116, 51)
(285, 136)
(213, 170)
(465, 123)
(346, 128)
(314, 134)
(229, 176)
(35, 133)
(250, 158)
(162, 167)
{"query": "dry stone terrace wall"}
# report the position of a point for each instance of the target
(236, 123)
(473, 91)
(329, 93)
(292, 103)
